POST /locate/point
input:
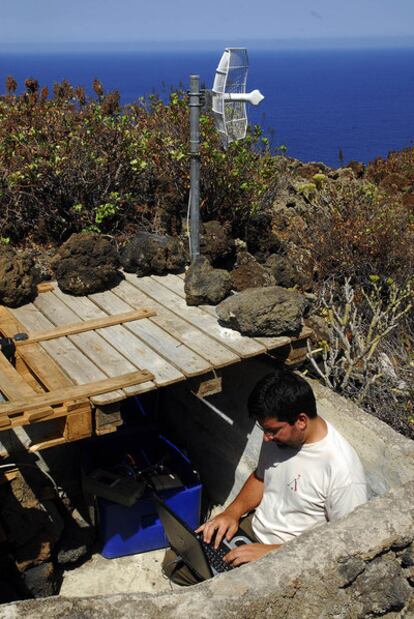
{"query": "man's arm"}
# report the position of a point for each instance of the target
(227, 523)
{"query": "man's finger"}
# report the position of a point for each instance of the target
(200, 528)
(238, 555)
(209, 529)
(220, 533)
(231, 531)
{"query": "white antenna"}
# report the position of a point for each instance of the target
(230, 97)
(229, 108)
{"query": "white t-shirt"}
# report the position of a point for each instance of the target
(305, 487)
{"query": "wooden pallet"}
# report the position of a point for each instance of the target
(37, 390)
(83, 340)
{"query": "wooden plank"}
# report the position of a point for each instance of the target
(107, 419)
(74, 392)
(37, 359)
(104, 356)
(198, 341)
(173, 350)
(78, 426)
(87, 325)
(78, 367)
(14, 387)
(243, 346)
(134, 351)
(12, 384)
(51, 442)
(175, 283)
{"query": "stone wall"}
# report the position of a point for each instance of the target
(357, 568)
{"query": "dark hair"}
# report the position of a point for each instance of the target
(281, 395)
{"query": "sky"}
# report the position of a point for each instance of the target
(140, 22)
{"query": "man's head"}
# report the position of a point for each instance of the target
(284, 406)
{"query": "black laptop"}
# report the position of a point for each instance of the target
(202, 558)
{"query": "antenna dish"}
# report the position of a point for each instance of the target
(230, 97)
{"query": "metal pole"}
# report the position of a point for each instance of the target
(194, 96)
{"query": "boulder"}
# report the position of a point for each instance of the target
(86, 263)
(283, 271)
(308, 170)
(216, 242)
(33, 526)
(203, 284)
(157, 254)
(264, 311)
(42, 580)
(248, 273)
(381, 588)
(75, 543)
(18, 277)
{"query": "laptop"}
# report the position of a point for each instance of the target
(202, 558)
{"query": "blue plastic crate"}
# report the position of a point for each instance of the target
(131, 530)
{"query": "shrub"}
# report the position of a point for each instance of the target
(355, 231)
(365, 356)
(70, 162)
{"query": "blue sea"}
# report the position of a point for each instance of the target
(316, 102)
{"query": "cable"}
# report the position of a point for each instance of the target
(187, 221)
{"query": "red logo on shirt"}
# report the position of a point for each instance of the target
(294, 483)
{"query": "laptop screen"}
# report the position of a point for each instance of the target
(183, 540)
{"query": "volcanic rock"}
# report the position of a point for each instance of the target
(32, 526)
(203, 284)
(156, 254)
(308, 170)
(282, 271)
(42, 580)
(381, 587)
(18, 277)
(75, 542)
(86, 263)
(264, 311)
(248, 273)
(216, 242)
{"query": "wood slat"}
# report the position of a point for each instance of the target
(35, 357)
(86, 325)
(133, 349)
(78, 367)
(198, 341)
(12, 384)
(104, 356)
(243, 346)
(75, 391)
(14, 387)
(163, 343)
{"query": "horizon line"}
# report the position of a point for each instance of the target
(207, 44)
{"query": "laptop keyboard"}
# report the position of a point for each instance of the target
(215, 556)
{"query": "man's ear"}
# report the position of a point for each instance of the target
(302, 421)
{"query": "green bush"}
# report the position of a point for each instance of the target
(69, 162)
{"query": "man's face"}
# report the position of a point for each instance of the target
(283, 433)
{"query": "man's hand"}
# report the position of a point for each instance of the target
(248, 552)
(222, 525)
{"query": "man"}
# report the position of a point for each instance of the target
(307, 472)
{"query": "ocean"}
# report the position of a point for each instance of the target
(317, 103)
